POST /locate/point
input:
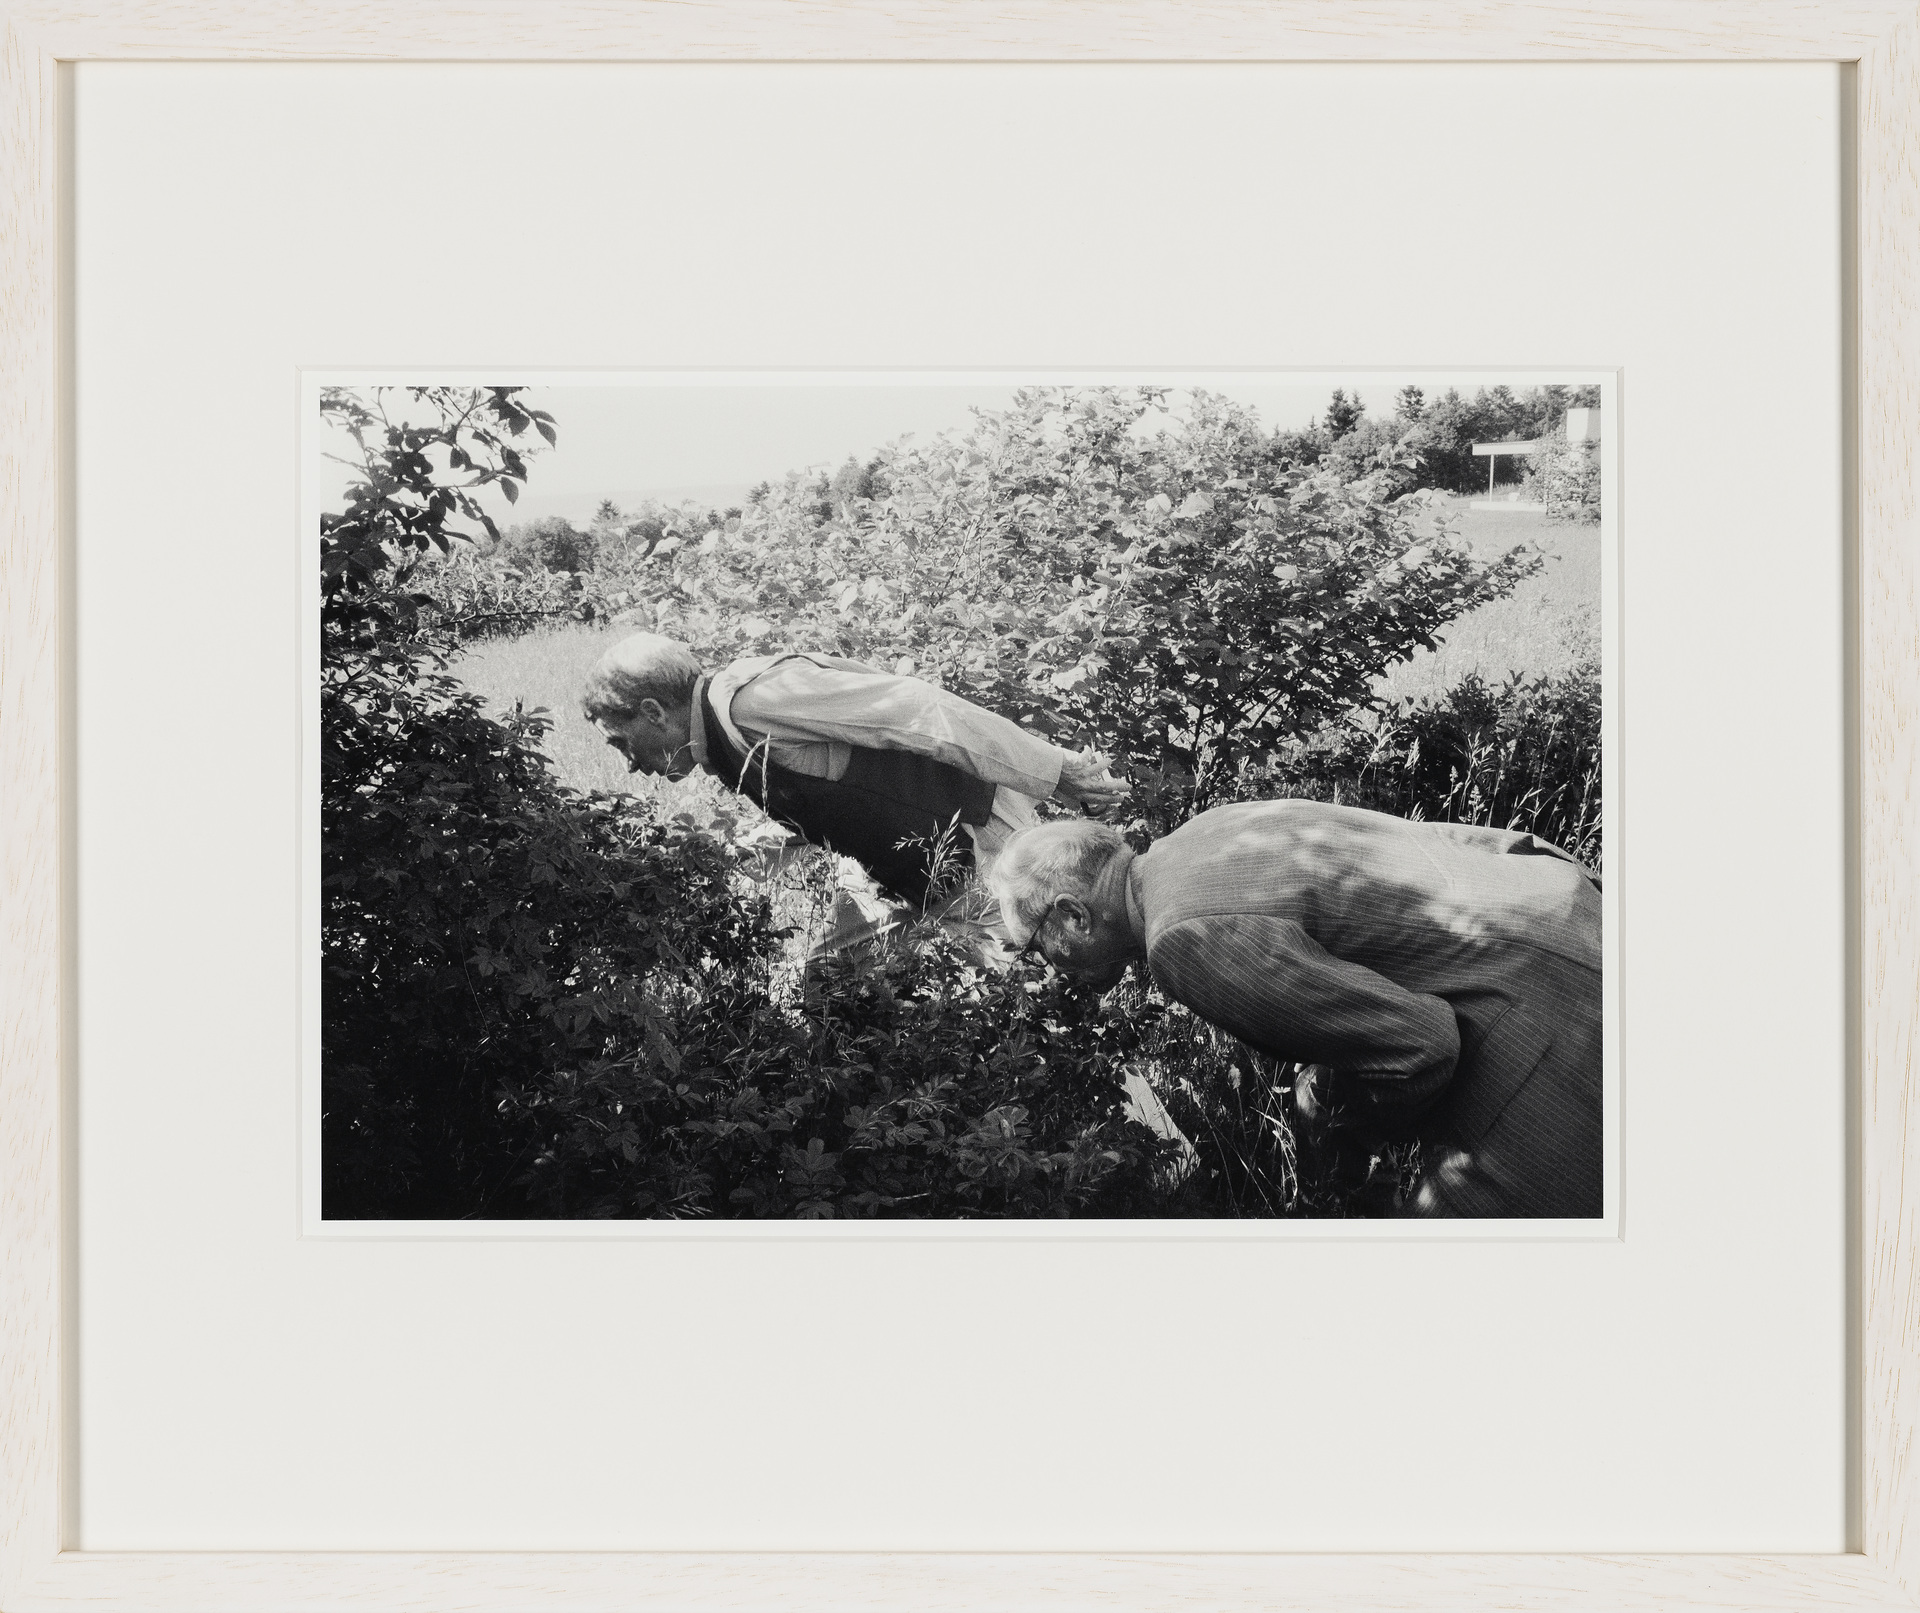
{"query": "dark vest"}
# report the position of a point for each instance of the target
(885, 798)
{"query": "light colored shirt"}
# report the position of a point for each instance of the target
(811, 710)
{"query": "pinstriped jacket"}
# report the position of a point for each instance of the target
(1441, 964)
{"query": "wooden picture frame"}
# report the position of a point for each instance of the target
(1879, 38)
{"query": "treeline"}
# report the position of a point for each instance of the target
(1428, 443)
(1423, 444)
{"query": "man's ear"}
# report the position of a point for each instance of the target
(654, 712)
(1075, 912)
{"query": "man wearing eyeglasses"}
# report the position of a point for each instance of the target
(1441, 979)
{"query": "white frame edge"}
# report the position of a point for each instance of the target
(1880, 37)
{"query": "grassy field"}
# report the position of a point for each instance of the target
(546, 669)
(1549, 623)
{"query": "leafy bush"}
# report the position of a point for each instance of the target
(1377, 453)
(1180, 601)
(481, 923)
(476, 918)
(536, 574)
(538, 1002)
(1565, 476)
(550, 571)
(476, 595)
(553, 543)
(910, 1081)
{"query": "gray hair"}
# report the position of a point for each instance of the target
(644, 666)
(1063, 858)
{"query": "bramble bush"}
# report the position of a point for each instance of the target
(477, 918)
(482, 922)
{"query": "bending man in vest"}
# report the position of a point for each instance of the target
(873, 766)
(1446, 976)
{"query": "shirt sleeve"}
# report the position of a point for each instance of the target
(801, 702)
(1273, 986)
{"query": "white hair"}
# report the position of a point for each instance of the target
(644, 666)
(1063, 858)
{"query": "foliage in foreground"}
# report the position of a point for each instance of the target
(910, 1081)
(539, 1002)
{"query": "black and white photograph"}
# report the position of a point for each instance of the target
(961, 798)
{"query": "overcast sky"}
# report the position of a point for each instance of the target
(712, 442)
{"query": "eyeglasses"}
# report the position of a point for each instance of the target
(1033, 936)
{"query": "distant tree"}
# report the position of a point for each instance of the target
(1376, 452)
(552, 543)
(1343, 413)
(1296, 450)
(1540, 410)
(1411, 404)
(854, 481)
(851, 481)
(1442, 440)
(1502, 415)
(607, 512)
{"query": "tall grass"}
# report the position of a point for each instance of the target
(1522, 754)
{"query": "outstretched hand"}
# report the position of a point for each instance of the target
(1085, 781)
